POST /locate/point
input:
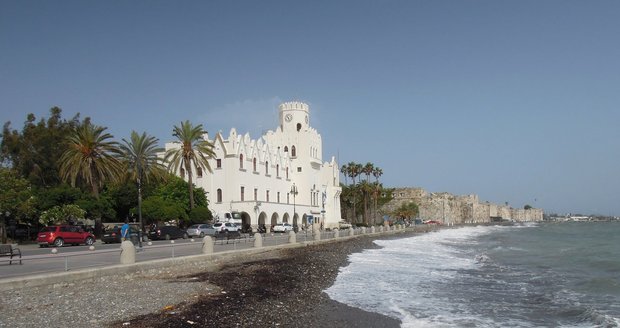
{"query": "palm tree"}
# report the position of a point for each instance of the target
(90, 158)
(353, 172)
(194, 152)
(367, 170)
(344, 170)
(377, 172)
(366, 189)
(142, 163)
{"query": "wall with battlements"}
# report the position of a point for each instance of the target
(454, 209)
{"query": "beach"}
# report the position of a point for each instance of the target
(276, 287)
(282, 288)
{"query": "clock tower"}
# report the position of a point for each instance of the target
(294, 116)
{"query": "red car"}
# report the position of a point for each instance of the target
(432, 222)
(64, 234)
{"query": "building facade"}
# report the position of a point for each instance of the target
(279, 177)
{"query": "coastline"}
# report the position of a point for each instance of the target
(276, 287)
(281, 288)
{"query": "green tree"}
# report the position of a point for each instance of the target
(69, 213)
(377, 188)
(57, 196)
(142, 163)
(527, 207)
(344, 169)
(90, 158)
(16, 199)
(192, 153)
(156, 208)
(98, 208)
(406, 211)
(123, 196)
(176, 189)
(33, 152)
(200, 214)
(367, 170)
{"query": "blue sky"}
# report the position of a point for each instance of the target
(516, 101)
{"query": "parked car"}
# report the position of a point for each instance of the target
(64, 234)
(282, 227)
(344, 225)
(167, 233)
(201, 230)
(223, 227)
(432, 222)
(113, 235)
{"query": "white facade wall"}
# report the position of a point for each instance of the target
(267, 185)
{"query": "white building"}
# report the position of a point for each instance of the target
(256, 177)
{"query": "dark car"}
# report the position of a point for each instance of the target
(61, 235)
(167, 233)
(114, 235)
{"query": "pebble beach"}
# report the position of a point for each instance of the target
(275, 288)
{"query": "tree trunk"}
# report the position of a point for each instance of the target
(188, 168)
(366, 208)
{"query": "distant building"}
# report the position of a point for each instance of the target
(257, 178)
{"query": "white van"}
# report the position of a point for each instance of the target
(232, 217)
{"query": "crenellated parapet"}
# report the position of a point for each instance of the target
(294, 105)
(455, 209)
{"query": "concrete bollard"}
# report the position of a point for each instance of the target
(292, 237)
(128, 252)
(317, 234)
(372, 229)
(207, 245)
(336, 234)
(258, 240)
(351, 232)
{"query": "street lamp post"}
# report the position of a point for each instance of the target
(294, 193)
(141, 229)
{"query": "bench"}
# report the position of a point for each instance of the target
(11, 250)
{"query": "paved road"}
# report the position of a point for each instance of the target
(41, 260)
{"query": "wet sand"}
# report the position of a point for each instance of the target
(282, 288)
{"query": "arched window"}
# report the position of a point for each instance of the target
(293, 152)
(242, 194)
(182, 173)
(219, 195)
(286, 149)
(254, 163)
(241, 161)
(199, 172)
(298, 127)
(266, 168)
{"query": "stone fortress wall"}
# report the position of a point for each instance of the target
(454, 209)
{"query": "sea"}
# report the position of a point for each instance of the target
(544, 274)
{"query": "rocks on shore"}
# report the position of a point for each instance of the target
(276, 288)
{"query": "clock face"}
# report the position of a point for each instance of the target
(288, 117)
